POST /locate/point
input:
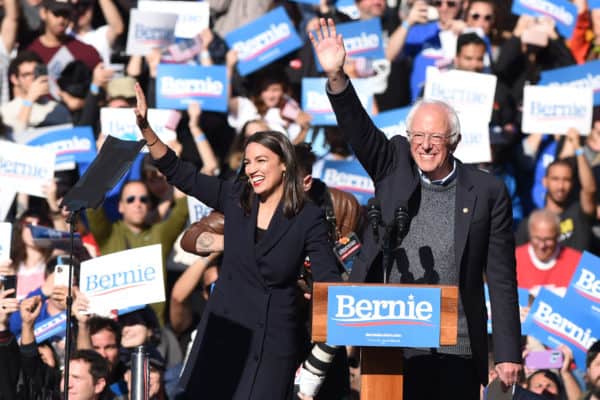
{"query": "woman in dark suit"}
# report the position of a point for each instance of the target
(248, 341)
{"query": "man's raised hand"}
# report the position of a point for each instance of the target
(329, 47)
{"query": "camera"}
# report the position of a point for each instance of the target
(40, 70)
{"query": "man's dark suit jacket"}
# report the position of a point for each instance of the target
(483, 235)
(249, 339)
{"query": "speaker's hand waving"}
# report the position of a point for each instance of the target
(330, 51)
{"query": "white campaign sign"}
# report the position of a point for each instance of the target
(192, 16)
(555, 109)
(123, 279)
(197, 209)
(5, 240)
(25, 169)
(470, 93)
(120, 123)
(474, 146)
(7, 196)
(149, 30)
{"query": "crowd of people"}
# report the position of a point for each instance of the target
(236, 322)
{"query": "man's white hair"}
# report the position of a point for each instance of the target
(451, 117)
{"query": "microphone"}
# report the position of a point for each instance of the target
(402, 221)
(374, 216)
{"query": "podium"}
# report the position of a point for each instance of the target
(381, 367)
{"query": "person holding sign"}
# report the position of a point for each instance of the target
(460, 227)
(247, 344)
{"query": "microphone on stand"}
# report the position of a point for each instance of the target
(374, 216)
(402, 222)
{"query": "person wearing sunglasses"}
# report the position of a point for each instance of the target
(481, 14)
(133, 230)
(460, 228)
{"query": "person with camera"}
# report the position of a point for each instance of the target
(31, 107)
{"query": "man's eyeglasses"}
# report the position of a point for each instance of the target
(486, 17)
(449, 4)
(434, 138)
(142, 199)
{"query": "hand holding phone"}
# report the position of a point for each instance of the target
(61, 275)
(544, 359)
(8, 282)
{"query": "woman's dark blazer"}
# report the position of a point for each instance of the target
(248, 340)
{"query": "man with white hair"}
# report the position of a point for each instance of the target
(460, 229)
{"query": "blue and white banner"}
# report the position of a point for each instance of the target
(392, 122)
(316, 103)
(192, 16)
(197, 209)
(523, 295)
(584, 288)
(471, 94)
(553, 321)
(120, 123)
(45, 237)
(582, 76)
(178, 85)
(263, 40)
(123, 279)
(348, 7)
(349, 176)
(26, 169)
(50, 327)
(555, 109)
(5, 240)
(149, 30)
(562, 11)
(361, 39)
(70, 144)
(383, 316)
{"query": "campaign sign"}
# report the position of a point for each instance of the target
(49, 327)
(392, 122)
(123, 279)
(120, 123)
(316, 103)
(178, 85)
(46, 238)
(7, 196)
(362, 38)
(523, 296)
(555, 109)
(554, 321)
(584, 288)
(192, 16)
(149, 30)
(70, 144)
(349, 176)
(563, 12)
(5, 240)
(383, 316)
(263, 40)
(583, 76)
(348, 7)
(197, 209)
(469, 93)
(474, 145)
(25, 168)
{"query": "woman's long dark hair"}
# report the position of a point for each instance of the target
(18, 251)
(293, 192)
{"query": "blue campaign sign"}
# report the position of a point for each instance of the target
(562, 11)
(584, 288)
(554, 321)
(53, 326)
(74, 144)
(383, 316)
(177, 85)
(316, 103)
(583, 75)
(263, 40)
(349, 176)
(523, 295)
(361, 39)
(392, 122)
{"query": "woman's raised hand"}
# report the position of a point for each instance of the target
(329, 47)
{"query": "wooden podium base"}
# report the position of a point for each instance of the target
(381, 373)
